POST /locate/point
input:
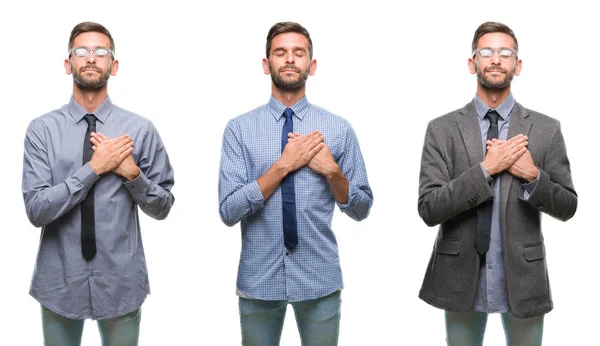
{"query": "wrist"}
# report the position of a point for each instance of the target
(95, 168)
(281, 169)
(133, 174)
(532, 175)
(333, 172)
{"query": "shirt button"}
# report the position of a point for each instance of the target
(489, 266)
(287, 253)
(92, 274)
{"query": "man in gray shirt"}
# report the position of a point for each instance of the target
(87, 167)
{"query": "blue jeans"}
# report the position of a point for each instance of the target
(468, 328)
(62, 331)
(318, 320)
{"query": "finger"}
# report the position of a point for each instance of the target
(126, 153)
(124, 141)
(315, 142)
(316, 149)
(102, 136)
(93, 147)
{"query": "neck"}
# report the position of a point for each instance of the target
(90, 100)
(492, 97)
(288, 98)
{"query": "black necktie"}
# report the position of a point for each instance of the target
(88, 223)
(288, 194)
(484, 212)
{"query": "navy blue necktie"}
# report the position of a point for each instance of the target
(288, 194)
(88, 223)
(484, 212)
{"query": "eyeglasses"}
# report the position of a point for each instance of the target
(84, 52)
(504, 54)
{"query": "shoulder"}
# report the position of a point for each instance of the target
(53, 118)
(247, 119)
(451, 117)
(133, 122)
(129, 116)
(536, 117)
(328, 118)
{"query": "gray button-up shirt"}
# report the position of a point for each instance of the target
(492, 292)
(115, 281)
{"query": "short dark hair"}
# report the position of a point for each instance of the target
(90, 27)
(490, 27)
(282, 28)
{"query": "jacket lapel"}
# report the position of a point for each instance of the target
(468, 125)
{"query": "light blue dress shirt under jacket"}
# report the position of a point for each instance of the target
(251, 144)
(115, 281)
(492, 293)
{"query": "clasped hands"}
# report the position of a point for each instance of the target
(308, 150)
(113, 154)
(510, 155)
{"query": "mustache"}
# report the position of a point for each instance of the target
(289, 67)
(496, 68)
(90, 67)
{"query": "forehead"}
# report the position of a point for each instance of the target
(91, 39)
(289, 40)
(496, 40)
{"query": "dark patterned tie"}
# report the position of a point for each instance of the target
(484, 212)
(88, 223)
(288, 194)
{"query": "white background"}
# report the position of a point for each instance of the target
(387, 69)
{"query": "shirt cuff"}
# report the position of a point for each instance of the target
(528, 188)
(487, 176)
(139, 185)
(85, 177)
(352, 191)
(253, 195)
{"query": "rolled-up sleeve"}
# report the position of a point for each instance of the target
(238, 197)
(360, 196)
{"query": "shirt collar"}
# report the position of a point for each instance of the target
(503, 109)
(101, 113)
(277, 108)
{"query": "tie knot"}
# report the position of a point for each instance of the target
(288, 112)
(493, 116)
(90, 119)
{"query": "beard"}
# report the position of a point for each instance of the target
(287, 84)
(491, 84)
(90, 84)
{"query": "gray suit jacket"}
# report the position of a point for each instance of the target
(452, 185)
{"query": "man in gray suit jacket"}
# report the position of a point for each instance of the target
(486, 183)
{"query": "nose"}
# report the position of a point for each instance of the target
(290, 57)
(91, 58)
(495, 58)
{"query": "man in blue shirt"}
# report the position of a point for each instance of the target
(486, 184)
(87, 167)
(284, 167)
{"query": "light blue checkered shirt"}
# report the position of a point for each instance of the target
(251, 144)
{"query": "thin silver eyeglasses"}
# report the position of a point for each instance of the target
(84, 52)
(504, 54)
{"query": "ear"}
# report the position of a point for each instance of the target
(114, 67)
(67, 64)
(472, 68)
(265, 64)
(312, 67)
(518, 67)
